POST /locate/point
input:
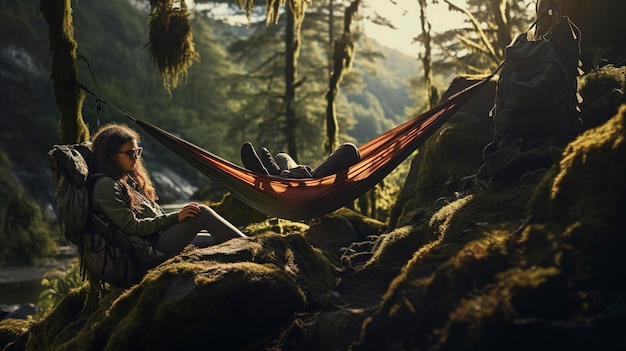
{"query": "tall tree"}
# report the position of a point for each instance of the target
(480, 47)
(170, 43)
(544, 20)
(64, 74)
(295, 15)
(343, 54)
(426, 57)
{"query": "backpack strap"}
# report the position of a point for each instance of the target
(99, 218)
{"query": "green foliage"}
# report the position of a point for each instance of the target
(198, 111)
(24, 228)
(222, 103)
(56, 284)
(466, 49)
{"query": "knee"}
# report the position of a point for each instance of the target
(285, 161)
(349, 152)
(206, 210)
(206, 213)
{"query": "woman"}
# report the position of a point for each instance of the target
(126, 196)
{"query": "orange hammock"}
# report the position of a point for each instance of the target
(305, 198)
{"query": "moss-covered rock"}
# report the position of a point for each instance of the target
(11, 331)
(602, 90)
(220, 297)
(588, 183)
(528, 271)
(335, 232)
(237, 212)
(445, 160)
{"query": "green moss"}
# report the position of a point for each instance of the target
(64, 73)
(11, 330)
(602, 91)
(24, 227)
(395, 249)
(195, 301)
(486, 313)
(276, 225)
(363, 225)
(171, 42)
(237, 212)
(587, 184)
(451, 154)
(254, 285)
(62, 324)
(507, 262)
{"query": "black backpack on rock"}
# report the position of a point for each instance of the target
(536, 105)
(114, 256)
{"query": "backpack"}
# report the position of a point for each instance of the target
(114, 256)
(536, 95)
(536, 103)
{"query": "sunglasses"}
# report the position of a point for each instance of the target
(132, 153)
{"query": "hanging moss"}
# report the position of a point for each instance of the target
(64, 74)
(272, 9)
(171, 41)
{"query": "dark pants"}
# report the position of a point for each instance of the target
(341, 159)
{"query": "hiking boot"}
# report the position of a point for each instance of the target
(251, 160)
(269, 162)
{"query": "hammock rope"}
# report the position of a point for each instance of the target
(306, 198)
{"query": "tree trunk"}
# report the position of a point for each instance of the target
(292, 44)
(547, 20)
(343, 52)
(64, 74)
(499, 8)
(426, 58)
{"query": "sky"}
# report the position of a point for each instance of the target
(405, 16)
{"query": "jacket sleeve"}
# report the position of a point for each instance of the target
(109, 197)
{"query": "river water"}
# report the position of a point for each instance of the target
(22, 284)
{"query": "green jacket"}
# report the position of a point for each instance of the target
(109, 197)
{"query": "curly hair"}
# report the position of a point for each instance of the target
(105, 143)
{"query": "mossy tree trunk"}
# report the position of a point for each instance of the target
(64, 74)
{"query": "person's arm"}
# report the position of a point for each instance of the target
(110, 198)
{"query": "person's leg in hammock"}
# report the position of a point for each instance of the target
(269, 162)
(284, 161)
(341, 159)
(251, 160)
(283, 164)
(262, 162)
